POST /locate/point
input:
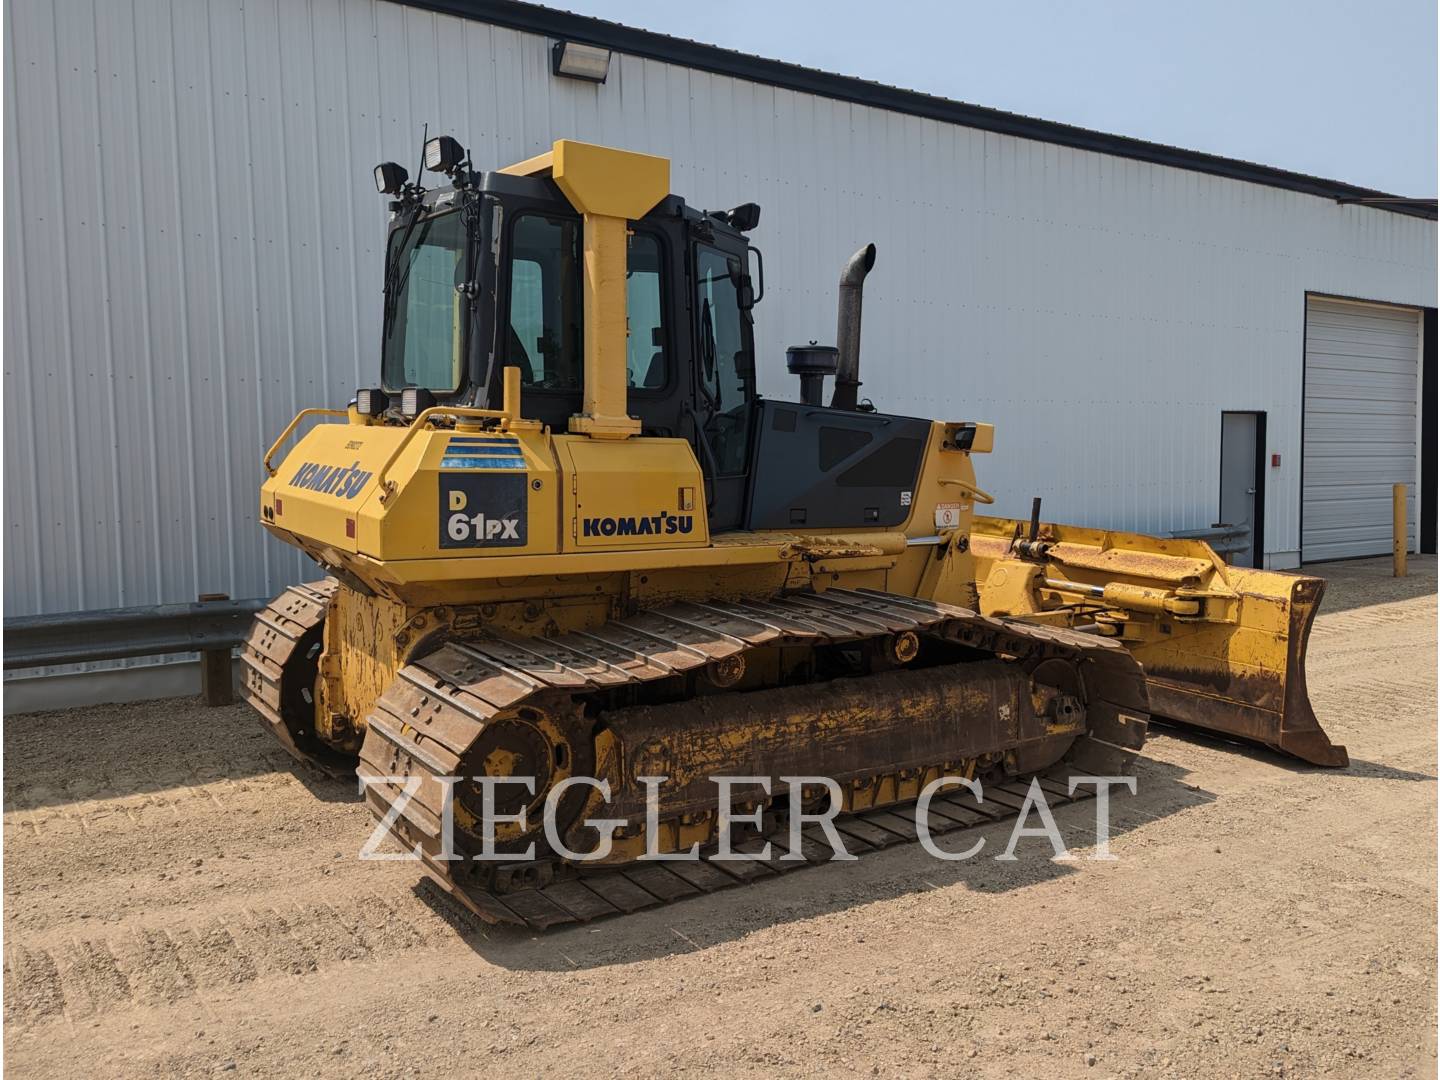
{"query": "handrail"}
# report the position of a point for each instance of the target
(508, 414)
(387, 487)
(983, 497)
(270, 469)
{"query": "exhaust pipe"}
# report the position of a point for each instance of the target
(847, 333)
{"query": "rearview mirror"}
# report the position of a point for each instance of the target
(752, 294)
(745, 293)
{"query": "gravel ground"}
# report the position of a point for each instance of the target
(179, 902)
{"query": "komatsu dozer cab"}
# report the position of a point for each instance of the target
(576, 567)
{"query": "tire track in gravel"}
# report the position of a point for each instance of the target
(195, 951)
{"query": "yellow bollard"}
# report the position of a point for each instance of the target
(1400, 542)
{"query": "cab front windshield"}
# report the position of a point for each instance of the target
(422, 340)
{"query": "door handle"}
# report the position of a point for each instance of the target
(707, 452)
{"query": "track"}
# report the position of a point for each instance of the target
(280, 663)
(427, 724)
(644, 885)
(1316, 917)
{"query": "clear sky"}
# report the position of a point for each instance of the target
(1342, 90)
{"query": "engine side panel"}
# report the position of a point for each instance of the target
(821, 468)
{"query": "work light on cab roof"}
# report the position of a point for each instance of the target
(444, 154)
(390, 178)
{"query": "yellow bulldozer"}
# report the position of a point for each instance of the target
(565, 538)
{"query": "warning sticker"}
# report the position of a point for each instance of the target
(947, 515)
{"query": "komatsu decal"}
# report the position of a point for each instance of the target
(661, 524)
(341, 480)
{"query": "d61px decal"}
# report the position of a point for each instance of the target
(479, 510)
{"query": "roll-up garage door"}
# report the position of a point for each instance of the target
(1362, 364)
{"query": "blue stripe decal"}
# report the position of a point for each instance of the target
(473, 448)
(482, 462)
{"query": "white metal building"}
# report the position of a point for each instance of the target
(193, 252)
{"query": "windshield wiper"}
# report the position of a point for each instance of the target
(394, 281)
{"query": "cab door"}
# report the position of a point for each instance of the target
(723, 378)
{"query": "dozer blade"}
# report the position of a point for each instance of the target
(1248, 680)
(1223, 647)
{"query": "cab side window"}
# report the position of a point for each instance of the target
(722, 372)
(544, 339)
(646, 355)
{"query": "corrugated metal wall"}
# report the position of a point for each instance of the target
(192, 252)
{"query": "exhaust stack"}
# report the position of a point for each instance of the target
(847, 333)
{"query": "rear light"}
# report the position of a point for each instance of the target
(414, 400)
(371, 402)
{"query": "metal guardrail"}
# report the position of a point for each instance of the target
(79, 637)
(1223, 539)
(211, 627)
